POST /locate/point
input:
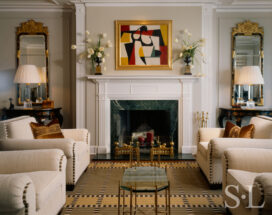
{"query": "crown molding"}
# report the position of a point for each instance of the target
(36, 6)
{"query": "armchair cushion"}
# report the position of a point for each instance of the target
(50, 131)
(203, 148)
(45, 183)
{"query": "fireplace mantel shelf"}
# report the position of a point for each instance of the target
(142, 77)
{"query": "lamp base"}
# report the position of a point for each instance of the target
(250, 104)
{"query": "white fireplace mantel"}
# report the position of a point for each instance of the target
(144, 88)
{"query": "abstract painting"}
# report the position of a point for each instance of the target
(143, 45)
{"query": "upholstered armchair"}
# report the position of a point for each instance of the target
(249, 172)
(211, 146)
(16, 134)
(32, 182)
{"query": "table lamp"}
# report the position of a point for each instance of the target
(42, 73)
(27, 74)
(248, 75)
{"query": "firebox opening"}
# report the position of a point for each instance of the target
(144, 121)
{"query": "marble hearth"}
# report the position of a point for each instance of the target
(110, 88)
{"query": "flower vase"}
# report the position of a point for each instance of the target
(98, 66)
(187, 60)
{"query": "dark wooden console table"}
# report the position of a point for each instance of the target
(41, 114)
(237, 114)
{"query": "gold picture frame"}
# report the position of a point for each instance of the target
(143, 45)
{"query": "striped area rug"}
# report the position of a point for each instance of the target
(97, 191)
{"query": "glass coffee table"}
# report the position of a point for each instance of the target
(146, 179)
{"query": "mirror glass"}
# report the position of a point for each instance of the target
(32, 49)
(247, 42)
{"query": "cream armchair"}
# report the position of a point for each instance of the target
(16, 134)
(211, 146)
(32, 182)
(247, 174)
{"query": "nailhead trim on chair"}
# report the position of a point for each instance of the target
(24, 198)
(60, 163)
(210, 166)
(74, 164)
(4, 130)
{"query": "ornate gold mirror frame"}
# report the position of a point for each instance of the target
(246, 32)
(32, 28)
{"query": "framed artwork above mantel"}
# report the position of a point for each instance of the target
(143, 45)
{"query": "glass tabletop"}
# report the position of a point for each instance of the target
(144, 179)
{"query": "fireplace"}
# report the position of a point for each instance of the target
(136, 90)
(144, 121)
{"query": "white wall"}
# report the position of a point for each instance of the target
(60, 64)
(101, 19)
(226, 21)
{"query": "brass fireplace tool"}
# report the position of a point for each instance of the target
(202, 119)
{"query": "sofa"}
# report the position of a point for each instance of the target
(32, 182)
(211, 146)
(247, 181)
(16, 134)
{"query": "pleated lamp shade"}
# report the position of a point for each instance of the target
(27, 74)
(42, 71)
(248, 75)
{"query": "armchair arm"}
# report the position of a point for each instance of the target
(31, 160)
(17, 194)
(66, 145)
(263, 187)
(206, 134)
(217, 146)
(77, 134)
(249, 159)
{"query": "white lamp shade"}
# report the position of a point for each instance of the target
(27, 74)
(248, 75)
(42, 72)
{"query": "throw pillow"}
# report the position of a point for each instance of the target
(234, 131)
(50, 131)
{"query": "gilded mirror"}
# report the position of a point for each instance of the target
(32, 48)
(247, 50)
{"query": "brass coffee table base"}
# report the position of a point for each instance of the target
(134, 211)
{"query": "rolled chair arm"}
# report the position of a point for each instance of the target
(65, 144)
(31, 160)
(249, 159)
(17, 195)
(77, 134)
(206, 134)
(217, 146)
(263, 187)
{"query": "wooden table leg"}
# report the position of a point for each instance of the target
(169, 203)
(131, 201)
(123, 202)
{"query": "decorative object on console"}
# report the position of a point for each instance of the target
(202, 119)
(27, 74)
(48, 103)
(248, 75)
(95, 51)
(189, 50)
(234, 131)
(49, 131)
(142, 45)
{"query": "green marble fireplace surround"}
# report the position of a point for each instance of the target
(159, 115)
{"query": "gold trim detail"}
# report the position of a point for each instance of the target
(32, 27)
(247, 28)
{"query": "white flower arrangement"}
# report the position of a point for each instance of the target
(95, 51)
(190, 49)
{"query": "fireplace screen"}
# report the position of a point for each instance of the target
(144, 121)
